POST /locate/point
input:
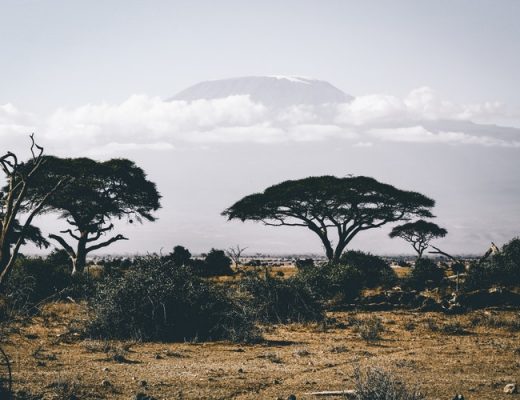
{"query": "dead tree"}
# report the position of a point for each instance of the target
(457, 267)
(14, 200)
(235, 253)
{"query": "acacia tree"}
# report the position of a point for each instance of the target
(16, 199)
(418, 234)
(329, 206)
(99, 192)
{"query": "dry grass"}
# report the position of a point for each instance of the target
(294, 359)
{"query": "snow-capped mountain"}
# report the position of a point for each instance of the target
(272, 91)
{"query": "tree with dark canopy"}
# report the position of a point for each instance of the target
(418, 234)
(346, 206)
(98, 193)
(180, 256)
(16, 199)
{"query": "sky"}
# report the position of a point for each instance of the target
(436, 106)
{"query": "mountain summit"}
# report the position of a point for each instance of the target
(272, 91)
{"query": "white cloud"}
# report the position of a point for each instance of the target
(144, 122)
(418, 134)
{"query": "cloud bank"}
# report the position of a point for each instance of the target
(152, 123)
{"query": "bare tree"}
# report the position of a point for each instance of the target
(14, 200)
(235, 253)
(457, 266)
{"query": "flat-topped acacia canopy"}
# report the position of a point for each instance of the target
(96, 193)
(323, 204)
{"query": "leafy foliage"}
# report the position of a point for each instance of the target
(36, 280)
(180, 256)
(373, 269)
(97, 193)
(154, 301)
(332, 280)
(280, 300)
(345, 205)
(216, 262)
(425, 274)
(502, 269)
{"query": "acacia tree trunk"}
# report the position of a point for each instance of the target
(80, 260)
(5, 256)
(78, 256)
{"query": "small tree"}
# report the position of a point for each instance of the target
(329, 206)
(217, 263)
(418, 234)
(180, 256)
(15, 199)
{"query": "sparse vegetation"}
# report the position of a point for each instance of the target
(369, 329)
(375, 383)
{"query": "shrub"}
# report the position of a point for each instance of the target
(280, 300)
(373, 269)
(502, 268)
(454, 328)
(332, 280)
(375, 383)
(511, 323)
(425, 274)
(369, 329)
(304, 263)
(154, 301)
(215, 263)
(36, 280)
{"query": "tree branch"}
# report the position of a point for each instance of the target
(68, 248)
(69, 231)
(106, 243)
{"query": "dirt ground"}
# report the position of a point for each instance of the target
(442, 355)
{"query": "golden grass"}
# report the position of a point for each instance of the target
(422, 348)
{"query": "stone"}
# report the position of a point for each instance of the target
(291, 397)
(106, 383)
(510, 388)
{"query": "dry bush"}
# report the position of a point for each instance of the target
(454, 328)
(369, 329)
(374, 383)
(158, 301)
(511, 323)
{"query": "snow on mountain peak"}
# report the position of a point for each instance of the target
(273, 92)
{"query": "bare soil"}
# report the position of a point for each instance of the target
(442, 355)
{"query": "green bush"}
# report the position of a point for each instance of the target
(502, 269)
(280, 300)
(36, 280)
(373, 269)
(216, 263)
(330, 280)
(153, 301)
(425, 274)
